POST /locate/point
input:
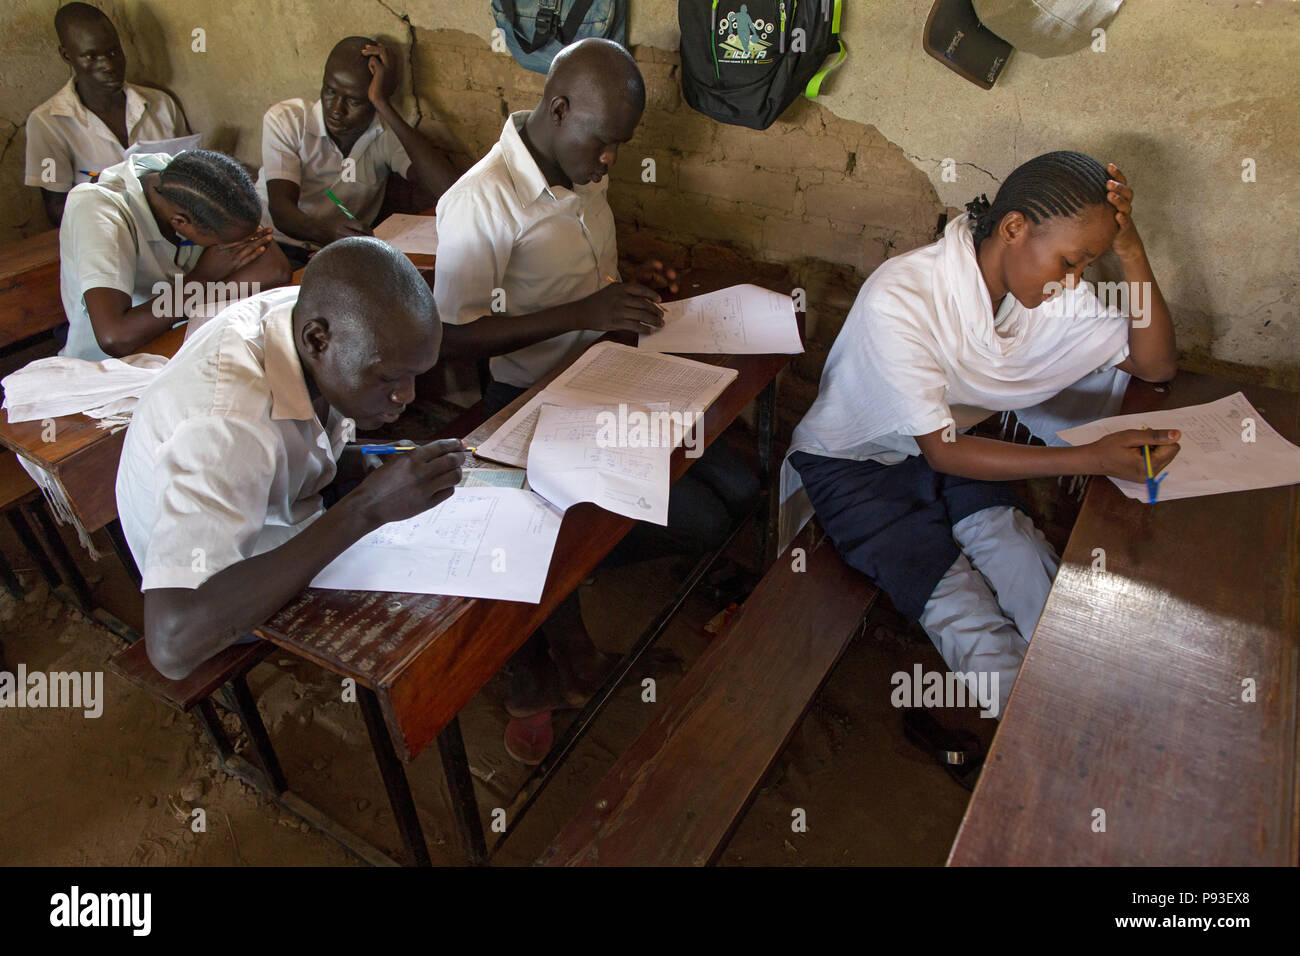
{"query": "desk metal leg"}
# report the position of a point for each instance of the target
(766, 409)
(59, 552)
(118, 538)
(241, 700)
(395, 782)
(460, 784)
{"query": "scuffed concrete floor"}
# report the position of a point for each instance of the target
(119, 789)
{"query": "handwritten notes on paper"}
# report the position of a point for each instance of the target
(1225, 446)
(481, 542)
(741, 320)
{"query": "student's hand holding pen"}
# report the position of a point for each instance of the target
(621, 307)
(409, 483)
(1120, 455)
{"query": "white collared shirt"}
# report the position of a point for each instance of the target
(109, 239)
(225, 458)
(80, 144)
(297, 147)
(501, 227)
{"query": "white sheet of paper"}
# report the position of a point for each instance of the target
(170, 146)
(410, 234)
(1214, 455)
(574, 456)
(609, 373)
(481, 542)
(741, 320)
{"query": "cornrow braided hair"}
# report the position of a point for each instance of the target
(1053, 184)
(212, 188)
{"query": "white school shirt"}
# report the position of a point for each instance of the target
(109, 239)
(921, 349)
(225, 458)
(64, 130)
(501, 227)
(297, 147)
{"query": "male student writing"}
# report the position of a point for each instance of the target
(527, 260)
(220, 481)
(87, 126)
(345, 143)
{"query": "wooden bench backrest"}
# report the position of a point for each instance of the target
(30, 301)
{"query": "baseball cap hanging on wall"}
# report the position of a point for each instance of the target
(955, 37)
(745, 62)
(536, 30)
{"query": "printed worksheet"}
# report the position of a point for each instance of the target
(169, 146)
(411, 234)
(741, 320)
(610, 373)
(481, 542)
(1225, 446)
(581, 454)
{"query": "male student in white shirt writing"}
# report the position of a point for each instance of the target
(88, 125)
(527, 267)
(346, 143)
(220, 481)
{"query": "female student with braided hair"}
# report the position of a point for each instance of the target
(937, 340)
(147, 220)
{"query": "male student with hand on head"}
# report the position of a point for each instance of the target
(87, 126)
(345, 143)
(531, 221)
(220, 481)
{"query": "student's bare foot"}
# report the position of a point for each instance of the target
(581, 675)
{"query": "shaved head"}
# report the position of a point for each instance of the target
(79, 15)
(596, 74)
(365, 325)
(346, 56)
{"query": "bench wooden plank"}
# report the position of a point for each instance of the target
(133, 665)
(30, 300)
(674, 796)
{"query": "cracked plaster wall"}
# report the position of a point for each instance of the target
(1184, 92)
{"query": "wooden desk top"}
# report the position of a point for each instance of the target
(427, 655)
(31, 252)
(1130, 696)
(83, 456)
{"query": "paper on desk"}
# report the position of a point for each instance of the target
(741, 320)
(1214, 455)
(169, 146)
(481, 542)
(610, 373)
(410, 234)
(577, 454)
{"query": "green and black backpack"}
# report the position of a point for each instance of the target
(744, 63)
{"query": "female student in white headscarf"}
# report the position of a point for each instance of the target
(989, 318)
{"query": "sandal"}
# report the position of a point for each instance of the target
(958, 752)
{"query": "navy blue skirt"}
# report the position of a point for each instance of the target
(894, 522)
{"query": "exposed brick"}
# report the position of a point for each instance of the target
(867, 206)
(738, 182)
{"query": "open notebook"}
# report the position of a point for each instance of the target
(607, 374)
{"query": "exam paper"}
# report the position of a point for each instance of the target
(741, 320)
(610, 373)
(480, 542)
(410, 234)
(1216, 453)
(576, 455)
(169, 146)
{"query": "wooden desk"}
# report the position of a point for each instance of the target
(30, 300)
(83, 457)
(1130, 696)
(425, 656)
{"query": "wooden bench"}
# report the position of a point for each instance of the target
(224, 673)
(30, 299)
(674, 797)
(20, 502)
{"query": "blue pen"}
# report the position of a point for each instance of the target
(1153, 483)
(379, 449)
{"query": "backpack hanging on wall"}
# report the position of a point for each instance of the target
(536, 30)
(744, 63)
